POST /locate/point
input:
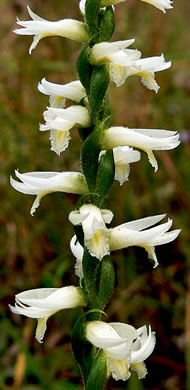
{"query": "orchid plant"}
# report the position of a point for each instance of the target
(101, 348)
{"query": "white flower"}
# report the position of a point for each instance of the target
(137, 233)
(43, 183)
(125, 346)
(44, 302)
(93, 222)
(144, 139)
(146, 67)
(114, 52)
(78, 251)
(126, 62)
(160, 4)
(123, 156)
(163, 5)
(72, 91)
(60, 121)
(40, 28)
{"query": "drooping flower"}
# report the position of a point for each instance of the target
(72, 91)
(163, 5)
(134, 233)
(77, 251)
(60, 121)
(93, 222)
(125, 346)
(43, 183)
(44, 302)
(140, 233)
(40, 28)
(127, 62)
(144, 139)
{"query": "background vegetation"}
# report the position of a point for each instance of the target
(34, 252)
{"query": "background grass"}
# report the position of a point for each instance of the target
(34, 252)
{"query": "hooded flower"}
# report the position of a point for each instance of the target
(40, 28)
(127, 62)
(60, 121)
(140, 233)
(93, 222)
(77, 251)
(144, 139)
(72, 91)
(125, 346)
(44, 302)
(163, 5)
(43, 183)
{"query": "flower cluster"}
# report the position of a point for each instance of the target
(107, 153)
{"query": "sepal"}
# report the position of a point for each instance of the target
(98, 373)
(84, 68)
(82, 349)
(107, 25)
(89, 157)
(105, 174)
(98, 87)
(100, 287)
(92, 8)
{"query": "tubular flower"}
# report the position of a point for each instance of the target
(125, 346)
(134, 233)
(59, 121)
(163, 5)
(146, 67)
(43, 183)
(78, 251)
(72, 91)
(117, 56)
(41, 28)
(93, 222)
(144, 139)
(126, 62)
(44, 302)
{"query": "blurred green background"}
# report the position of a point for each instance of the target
(34, 251)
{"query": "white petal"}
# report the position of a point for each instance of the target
(103, 335)
(166, 237)
(122, 238)
(145, 350)
(73, 90)
(76, 249)
(142, 223)
(122, 136)
(160, 4)
(61, 298)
